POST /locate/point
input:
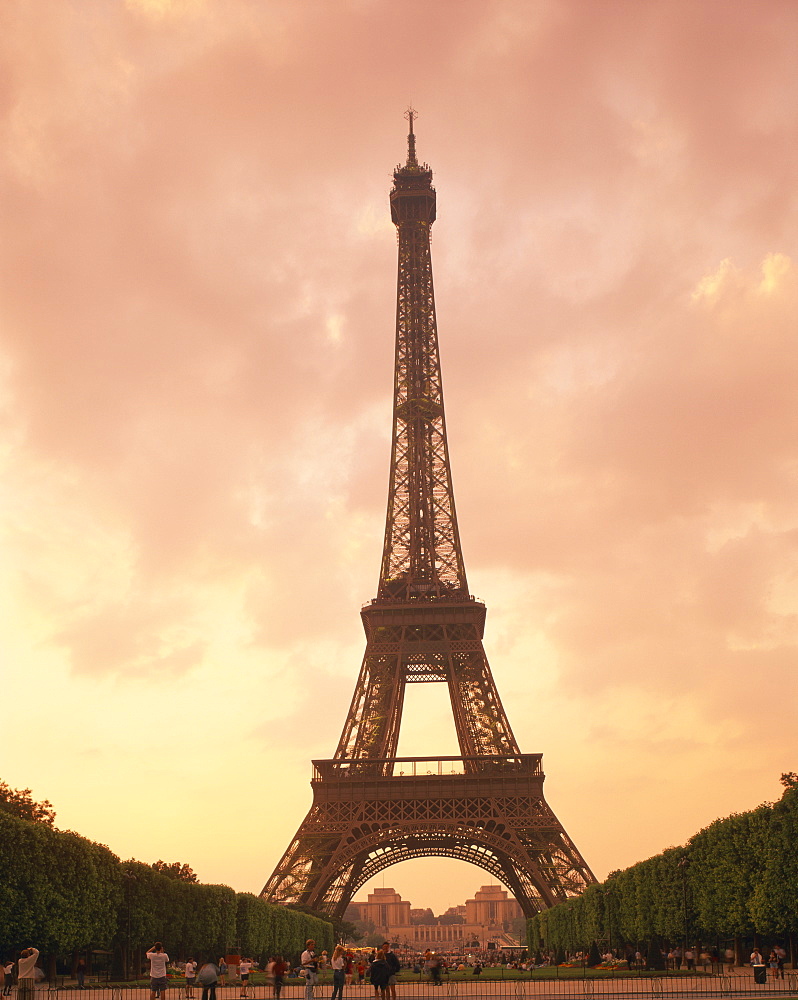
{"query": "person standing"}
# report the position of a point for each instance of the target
(310, 967)
(222, 971)
(244, 968)
(191, 969)
(8, 978)
(158, 962)
(379, 974)
(394, 965)
(338, 964)
(26, 976)
(209, 977)
(80, 973)
(760, 969)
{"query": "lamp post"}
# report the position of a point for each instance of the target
(683, 865)
(608, 904)
(130, 878)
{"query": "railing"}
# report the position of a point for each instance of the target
(532, 986)
(445, 597)
(422, 767)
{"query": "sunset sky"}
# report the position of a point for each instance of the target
(197, 293)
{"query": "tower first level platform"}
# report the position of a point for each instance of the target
(370, 814)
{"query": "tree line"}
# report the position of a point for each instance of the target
(735, 880)
(65, 894)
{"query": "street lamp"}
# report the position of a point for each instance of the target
(130, 878)
(683, 865)
(608, 904)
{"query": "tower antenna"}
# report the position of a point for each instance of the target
(411, 114)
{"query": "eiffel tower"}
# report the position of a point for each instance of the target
(372, 809)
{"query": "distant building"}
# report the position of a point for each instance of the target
(384, 908)
(491, 906)
(486, 921)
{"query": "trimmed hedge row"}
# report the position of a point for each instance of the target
(64, 893)
(736, 878)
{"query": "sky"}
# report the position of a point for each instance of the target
(197, 302)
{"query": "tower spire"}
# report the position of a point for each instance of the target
(421, 556)
(411, 114)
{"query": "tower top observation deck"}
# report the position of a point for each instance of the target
(413, 196)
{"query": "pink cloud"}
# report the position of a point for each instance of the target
(198, 278)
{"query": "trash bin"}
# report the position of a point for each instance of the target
(760, 974)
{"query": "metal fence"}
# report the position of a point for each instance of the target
(722, 987)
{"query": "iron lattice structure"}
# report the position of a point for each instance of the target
(370, 808)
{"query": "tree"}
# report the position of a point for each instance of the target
(655, 960)
(349, 931)
(182, 873)
(338, 924)
(18, 802)
(362, 928)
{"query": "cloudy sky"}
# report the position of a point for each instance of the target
(198, 281)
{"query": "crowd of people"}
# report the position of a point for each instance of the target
(382, 967)
(379, 969)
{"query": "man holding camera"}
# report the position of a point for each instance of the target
(26, 975)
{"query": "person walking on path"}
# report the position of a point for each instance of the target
(158, 962)
(394, 965)
(310, 967)
(349, 967)
(26, 976)
(338, 964)
(209, 977)
(8, 978)
(279, 969)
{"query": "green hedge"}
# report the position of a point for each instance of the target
(739, 877)
(64, 893)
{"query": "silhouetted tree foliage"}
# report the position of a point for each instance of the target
(741, 879)
(340, 926)
(18, 802)
(175, 870)
(66, 893)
